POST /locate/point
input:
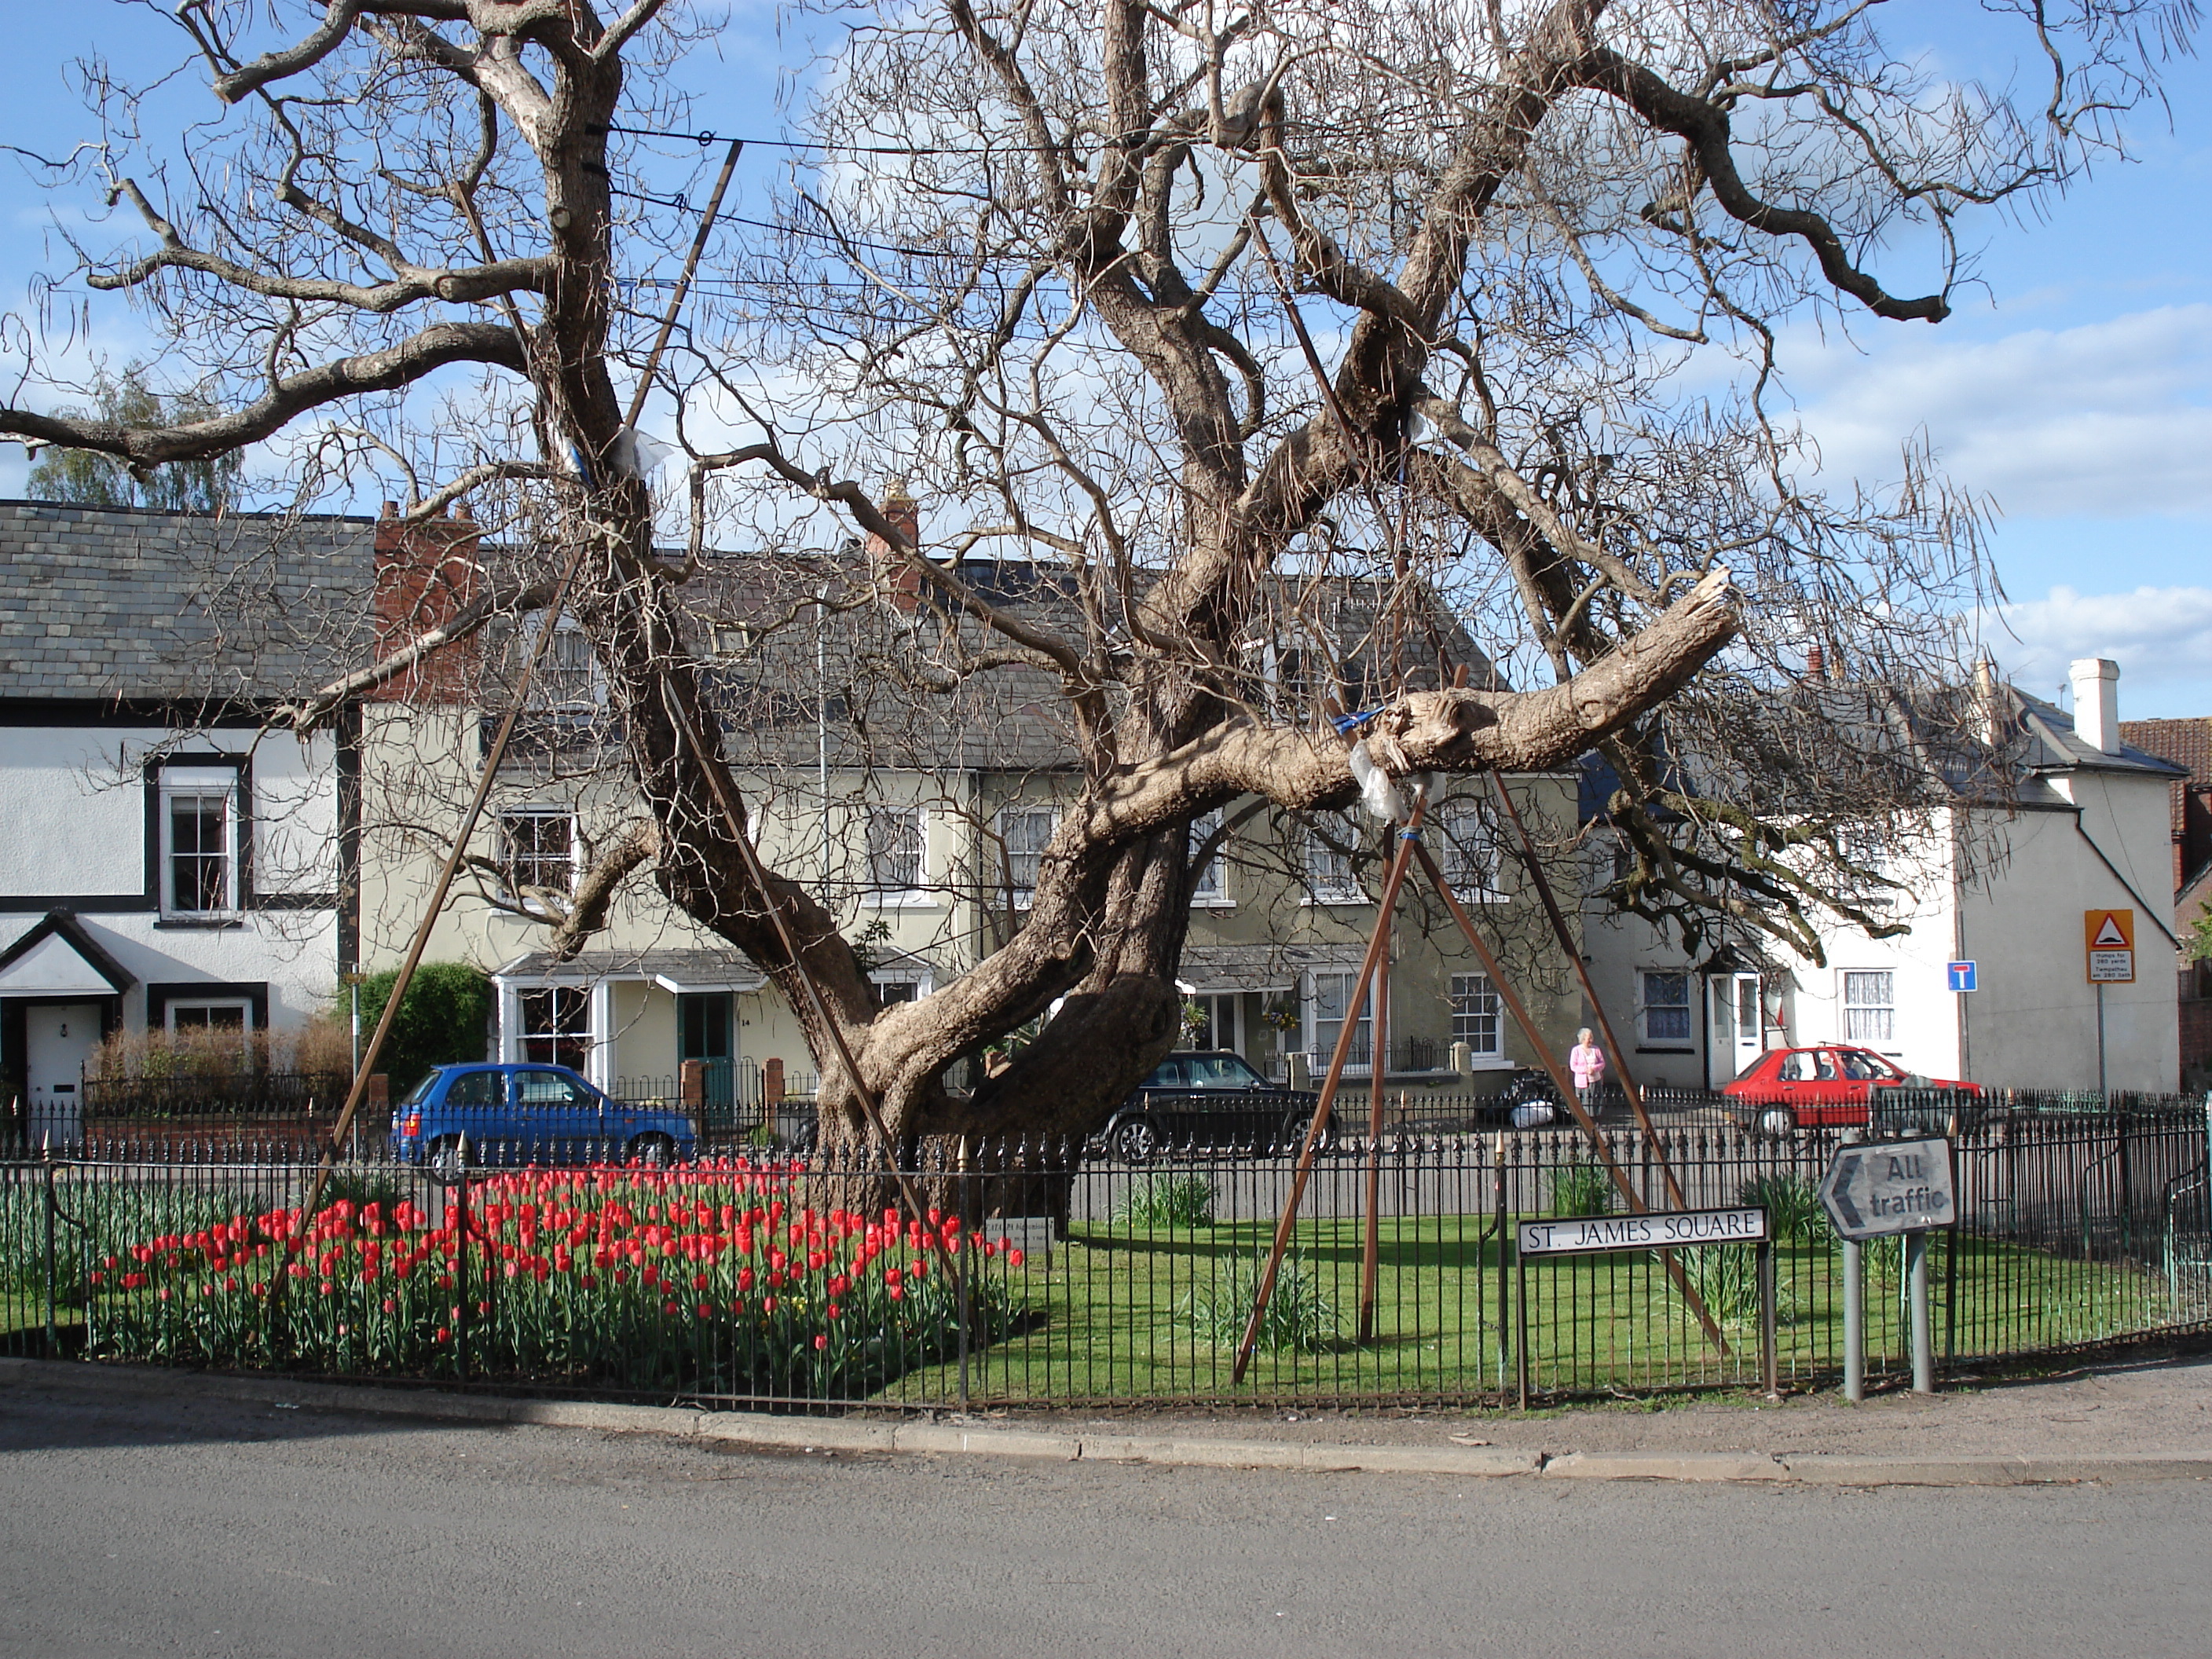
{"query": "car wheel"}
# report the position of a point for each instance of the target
(1775, 1121)
(1137, 1140)
(444, 1160)
(652, 1151)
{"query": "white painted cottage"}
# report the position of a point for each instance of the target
(2019, 886)
(164, 862)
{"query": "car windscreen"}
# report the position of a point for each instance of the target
(415, 1096)
(1220, 1072)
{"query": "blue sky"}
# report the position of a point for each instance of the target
(2075, 392)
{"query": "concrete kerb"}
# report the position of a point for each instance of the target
(847, 1436)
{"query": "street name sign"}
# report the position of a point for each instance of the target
(1962, 974)
(2109, 937)
(1878, 1188)
(1674, 1229)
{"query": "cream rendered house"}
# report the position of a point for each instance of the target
(916, 810)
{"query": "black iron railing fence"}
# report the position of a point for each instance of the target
(1059, 1274)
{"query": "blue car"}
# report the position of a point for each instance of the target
(528, 1114)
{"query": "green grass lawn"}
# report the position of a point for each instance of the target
(1123, 1312)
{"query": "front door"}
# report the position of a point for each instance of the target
(58, 1040)
(1739, 1034)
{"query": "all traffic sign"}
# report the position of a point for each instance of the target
(2108, 937)
(1962, 974)
(1883, 1187)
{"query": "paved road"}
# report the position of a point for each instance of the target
(128, 1527)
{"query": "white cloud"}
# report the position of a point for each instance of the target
(2161, 637)
(2109, 419)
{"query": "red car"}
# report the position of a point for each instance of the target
(1831, 1086)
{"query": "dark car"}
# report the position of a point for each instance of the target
(1211, 1099)
(527, 1114)
(1835, 1084)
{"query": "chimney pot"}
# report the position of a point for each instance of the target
(391, 510)
(2097, 703)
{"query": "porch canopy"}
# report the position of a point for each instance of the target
(679, 973)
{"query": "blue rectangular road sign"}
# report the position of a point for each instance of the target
(1962, 974)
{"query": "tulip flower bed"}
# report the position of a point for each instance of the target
(709, 1280)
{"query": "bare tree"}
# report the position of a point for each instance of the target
(1200, 305)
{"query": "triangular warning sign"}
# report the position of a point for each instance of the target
(2109, 936)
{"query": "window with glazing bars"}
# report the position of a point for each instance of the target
(1869, 1006)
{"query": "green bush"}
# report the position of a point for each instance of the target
(1792, 1203)
(443, 1018)
(1184, 1201)
(1299, 1318)
(1582, 1187)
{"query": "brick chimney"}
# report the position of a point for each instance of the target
(1816, 664)
(903, 577)
(426, 575)
(2097, 703)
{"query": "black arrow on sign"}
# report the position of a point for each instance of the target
(1835, 1191)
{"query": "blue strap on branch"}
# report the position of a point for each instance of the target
(1348, 724)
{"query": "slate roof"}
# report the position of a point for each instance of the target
(896, 696)
(114, 602)
(1933, 736)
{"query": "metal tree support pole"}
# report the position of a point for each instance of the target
(1854, 1322)
(1923, 1332)
(1560, 1081)
(1628, 1084)
(717, 786)
(1408, 845)
(367, 1062)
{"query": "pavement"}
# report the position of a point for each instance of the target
(2144, 1417)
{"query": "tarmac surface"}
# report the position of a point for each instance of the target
(154, 1513)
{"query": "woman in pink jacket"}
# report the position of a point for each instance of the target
(1586, 1064)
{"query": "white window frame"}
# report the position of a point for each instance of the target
(1470, 850)
(1321, 859)
(506, 854)
(1009, 873)
(892, 898)
(199, 782)
(1210, 887)
(919, 980)
(567, 635)
(1468, 989)
(1645, 1008)
(1320, 1049)
(238, 1006)
(589, 1033)
(1878, 1029)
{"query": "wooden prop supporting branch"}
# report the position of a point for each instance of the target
(1408, 845)
(375, 1048)
(1564, 1084)
(1628, 1084)
(497, 754)
(717, 786)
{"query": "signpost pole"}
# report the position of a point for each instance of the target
(1923, 1334)
(2101, 1089)
(1520, 1323)
(1854, 1320)
(1770, 1362)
